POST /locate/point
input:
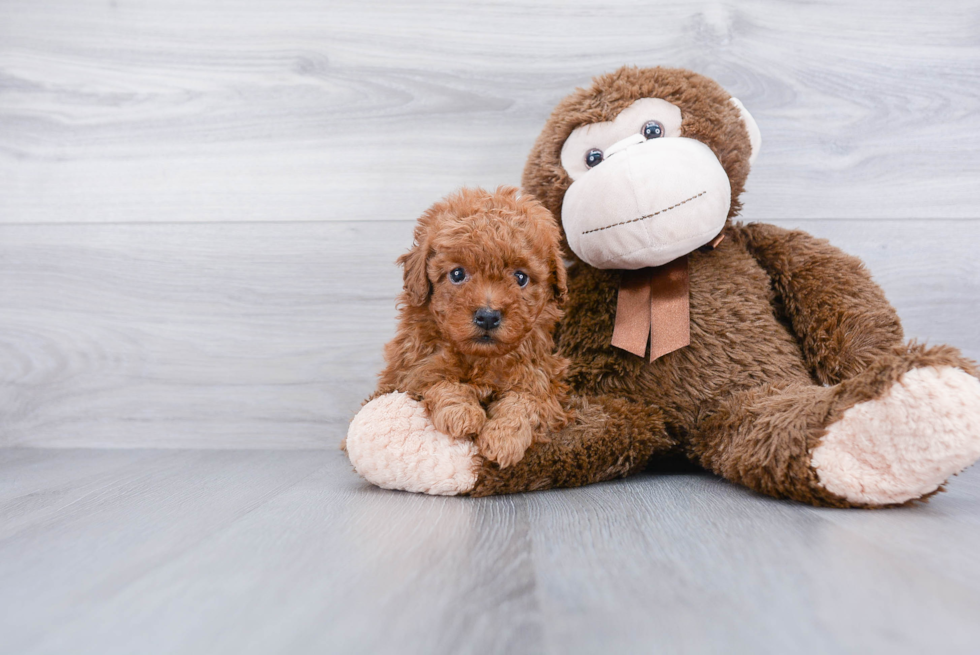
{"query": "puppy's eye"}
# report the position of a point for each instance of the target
(653, 129)
(457, 276)
(593, 158)
(522, 278)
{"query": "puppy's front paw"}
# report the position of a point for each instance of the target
(459, 421)
(504, 441)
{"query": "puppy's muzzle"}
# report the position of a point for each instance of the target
(487, 319)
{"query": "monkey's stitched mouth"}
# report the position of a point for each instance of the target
(643, 218)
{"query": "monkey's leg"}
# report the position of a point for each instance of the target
(891, 434)
(392, 443)
(840, 316)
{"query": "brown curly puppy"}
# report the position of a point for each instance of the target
(484, 283)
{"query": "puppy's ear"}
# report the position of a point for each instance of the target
(559, 276)
(416, 278)
(549, 238)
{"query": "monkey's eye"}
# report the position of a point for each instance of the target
(457, 276)
(653, 129)
(522, 278)
(593, 157)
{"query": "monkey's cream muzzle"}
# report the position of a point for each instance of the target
(647, 203)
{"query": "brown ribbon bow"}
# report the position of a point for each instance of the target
(654, 304)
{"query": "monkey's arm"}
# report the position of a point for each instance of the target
(839, 315)
(606, 438)
(393, 444)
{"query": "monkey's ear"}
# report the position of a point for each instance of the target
(416, 278)
(755, 136)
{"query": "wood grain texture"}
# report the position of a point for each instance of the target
(204, 335)
(200, 206)
(150, 111)
(270, 335)
(290, 552)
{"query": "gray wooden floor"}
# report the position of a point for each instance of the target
(205, 551)
(200, 206)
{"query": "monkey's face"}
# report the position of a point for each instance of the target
(641, 194)
(645, 163)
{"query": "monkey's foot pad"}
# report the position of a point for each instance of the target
(905, 444)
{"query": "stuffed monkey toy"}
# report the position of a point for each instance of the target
(764, 355)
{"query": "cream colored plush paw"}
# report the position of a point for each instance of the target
(393, 444)
(906, 443)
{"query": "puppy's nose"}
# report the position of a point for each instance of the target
(486, 318)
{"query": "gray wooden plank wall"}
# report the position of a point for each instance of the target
(200, 203)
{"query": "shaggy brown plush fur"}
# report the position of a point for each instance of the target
(609, 438)
(776, 316)
(502, 385)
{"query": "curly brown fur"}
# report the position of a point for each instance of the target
(503, 385)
